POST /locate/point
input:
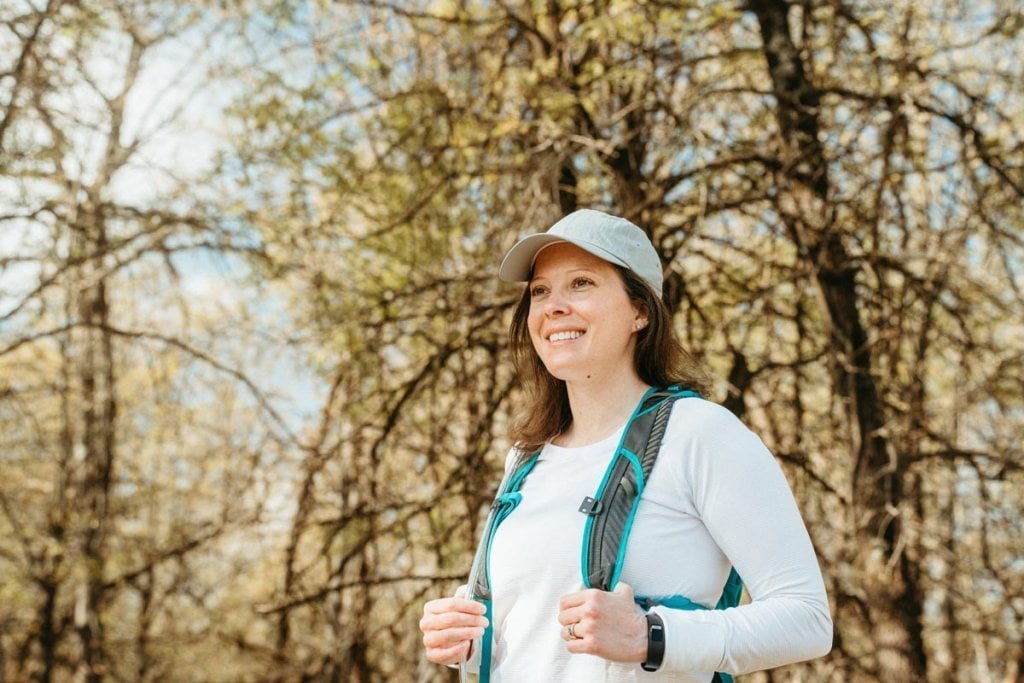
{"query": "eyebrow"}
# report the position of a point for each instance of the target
(568, 272)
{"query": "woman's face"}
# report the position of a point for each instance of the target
(582, 323)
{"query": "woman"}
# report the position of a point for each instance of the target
(589, 338)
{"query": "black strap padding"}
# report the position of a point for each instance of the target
(607, 531)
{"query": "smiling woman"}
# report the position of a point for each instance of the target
(697, 495)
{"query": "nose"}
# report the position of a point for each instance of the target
(555, 305)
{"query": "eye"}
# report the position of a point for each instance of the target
(537, 290)
(582, 282)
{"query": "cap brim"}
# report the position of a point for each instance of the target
(518, 262)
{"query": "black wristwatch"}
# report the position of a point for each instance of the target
(655, 642)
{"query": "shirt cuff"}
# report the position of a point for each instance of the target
(694, 640)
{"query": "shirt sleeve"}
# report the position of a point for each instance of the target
(744, 501)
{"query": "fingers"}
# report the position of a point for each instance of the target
(450, 625)
(575, 599)
(574, 614)
(603, 623)
(434, 621)
(587, 602)
(573, 631)
(580, 640)
(447, 637)
(458, 604)
(450, 637)
(449, 655)
(625, 590)
(581, 646)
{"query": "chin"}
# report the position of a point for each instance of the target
(568, 374)
(560, 373)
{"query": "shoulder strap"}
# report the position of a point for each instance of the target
(506, 500)
(479, 583)
(610, 512)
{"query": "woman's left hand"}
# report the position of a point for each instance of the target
(609, 625)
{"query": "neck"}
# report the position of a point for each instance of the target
(599, 407)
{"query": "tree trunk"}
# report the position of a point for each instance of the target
(888, 580)
(99, 412)
(47, 630)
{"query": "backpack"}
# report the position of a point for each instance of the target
(610, 514)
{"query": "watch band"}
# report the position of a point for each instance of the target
(655, 642)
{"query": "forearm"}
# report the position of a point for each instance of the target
(752, 637)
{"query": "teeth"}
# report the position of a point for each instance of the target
(562, 336)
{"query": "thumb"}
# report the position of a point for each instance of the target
(624, 589)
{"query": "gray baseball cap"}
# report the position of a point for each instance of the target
(608, 237)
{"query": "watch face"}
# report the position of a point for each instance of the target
(657, 633)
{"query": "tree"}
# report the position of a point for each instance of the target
(105, 536)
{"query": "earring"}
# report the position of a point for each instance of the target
(639, 324)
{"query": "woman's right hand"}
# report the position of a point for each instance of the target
(449, 626)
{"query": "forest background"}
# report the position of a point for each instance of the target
(254, 390)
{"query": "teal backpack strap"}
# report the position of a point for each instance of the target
(479, 588)
(611, 510)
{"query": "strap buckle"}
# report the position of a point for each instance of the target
(590, 506)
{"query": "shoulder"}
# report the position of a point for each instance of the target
(709, 452)
(706, 435)
(516, 458)
(700, 419)
(510, 458)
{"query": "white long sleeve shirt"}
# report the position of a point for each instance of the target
(715, 498)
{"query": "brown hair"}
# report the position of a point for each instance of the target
(659, 358)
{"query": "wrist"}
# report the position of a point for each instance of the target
(639, 649)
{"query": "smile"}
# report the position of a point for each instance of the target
(565, 336)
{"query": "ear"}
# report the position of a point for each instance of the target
(640, 317)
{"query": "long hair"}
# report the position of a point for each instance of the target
(660, 361)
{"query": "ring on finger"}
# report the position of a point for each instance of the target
(572, 631)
